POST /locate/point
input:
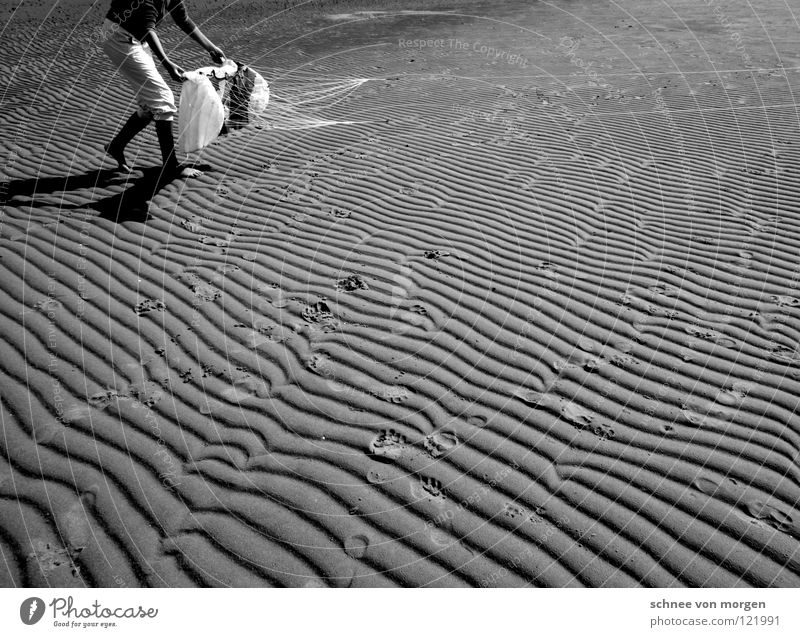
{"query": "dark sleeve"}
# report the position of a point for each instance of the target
(177, 10)
(148, 16)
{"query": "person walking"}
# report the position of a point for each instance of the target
(130, 41)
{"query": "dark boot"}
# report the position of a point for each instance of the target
(136, 124)
(167, 143)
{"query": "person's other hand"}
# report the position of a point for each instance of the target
(176, 72)
(217, 56)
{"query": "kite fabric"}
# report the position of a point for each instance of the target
(206, 111)
(216, 100)
(200, 113)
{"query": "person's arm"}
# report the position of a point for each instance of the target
(181, 17)
(176, 72)
(214, 51)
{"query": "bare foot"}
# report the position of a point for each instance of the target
(119, 157)
(177, 171)
(188, 172)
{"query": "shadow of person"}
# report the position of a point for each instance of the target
(130, 204)
(33, 186)
(133, 203)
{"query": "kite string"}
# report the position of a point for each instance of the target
(295, 106)
(325, 95)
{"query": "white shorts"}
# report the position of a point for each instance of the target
(135, 62)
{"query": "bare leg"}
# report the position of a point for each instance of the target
(116, 149)
(166, 141)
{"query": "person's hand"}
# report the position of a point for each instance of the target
(175, 72)
(217, 56)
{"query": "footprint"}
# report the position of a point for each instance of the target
(513, 511)
(356, 546)
(577, 414)
(537, 399)
(193, 224)
(217, 245)
(785, 301)
(320, 364)
(281, 300)
(647, 253)
(582, 237)
(320, 314)
(428, 488)
(401, 288)
(103, 399)
(664, 290)
(734, 395)
(603, 431)
(414, 188)
(202, 291)
(343, 574)
(578, 360)
(692, 416)
(51, 558)
(76, 414)
(351, 284)
(435, 254)
(147, 393)
(257, 338)
(246, 389)
(477, 421)
(621, 360)
(706, 486)
(48, 305)
(317, 312)
(710, 335)
(376, 477)
(388, 444)
(572, 412)
(537, 516)
(391, 393)
(75, 525)
(548, 269)
(707, 413)
(440, 537)
(785, 355)
(410, 319)
(768, 514)
(149, 305)
(438, 444)
(208, 370)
